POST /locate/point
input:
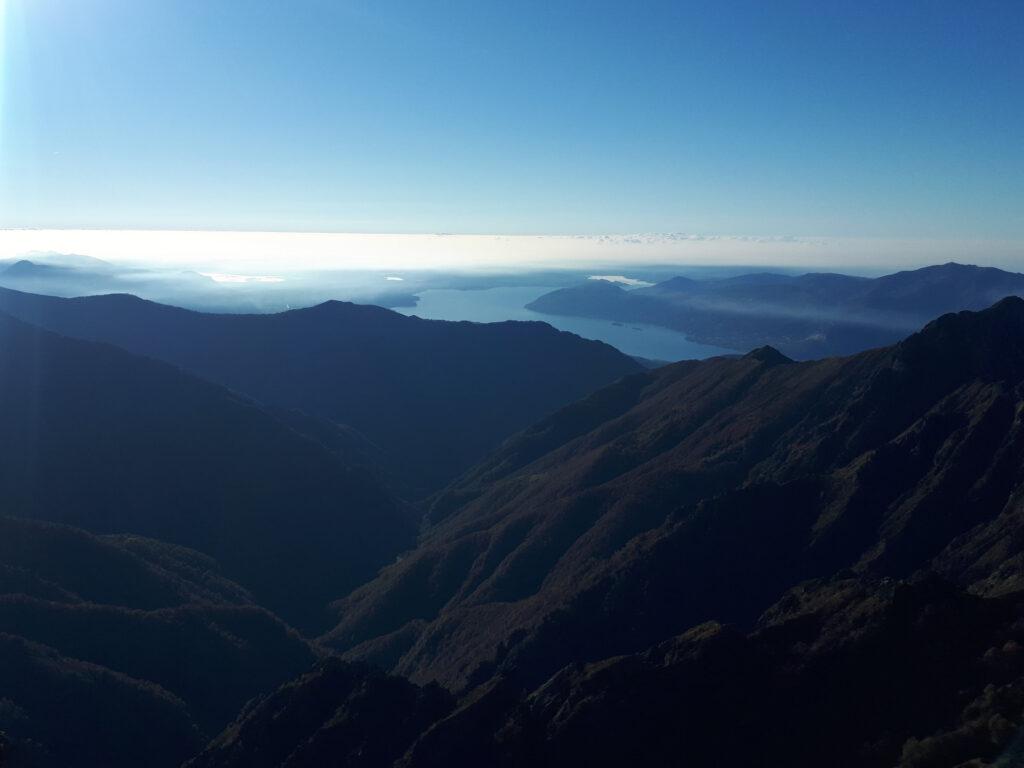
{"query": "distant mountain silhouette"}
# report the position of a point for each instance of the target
(435, 396)
(25, 269)
(66, 260)
(60, 274)
(125, 651)
(805, 316)
(822, 557)
(101, 439)
(73, 275)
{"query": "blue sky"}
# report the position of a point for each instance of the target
(842, 119)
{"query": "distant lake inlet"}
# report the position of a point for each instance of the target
(492, 305)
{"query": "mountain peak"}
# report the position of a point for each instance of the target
(26, 268)
(1008, 312)
(341, 307)
(1009, 306)
(768, 355)
(989, 342)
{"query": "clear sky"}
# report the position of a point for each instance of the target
(842, 119)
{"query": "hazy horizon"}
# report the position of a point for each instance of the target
(230, 251)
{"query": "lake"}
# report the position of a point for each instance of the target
(493, 305)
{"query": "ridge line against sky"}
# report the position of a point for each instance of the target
(866, 119)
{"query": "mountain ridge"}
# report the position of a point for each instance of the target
(423, 390)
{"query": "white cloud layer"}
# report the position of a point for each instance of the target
(224, 277)
(631, 282)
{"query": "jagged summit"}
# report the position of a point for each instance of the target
(1009, 304)
(1004, 316)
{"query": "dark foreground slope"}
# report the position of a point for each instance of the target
(113, 443)
(846, 674)
(125, 651)
(733, 562)
(339, 714)
(435, 395)
(806, 316)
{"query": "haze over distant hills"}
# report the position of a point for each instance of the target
(435, 396)
(68, 274)
(806, 316)
(62, 274)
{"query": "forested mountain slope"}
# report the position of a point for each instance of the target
(122, 651)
